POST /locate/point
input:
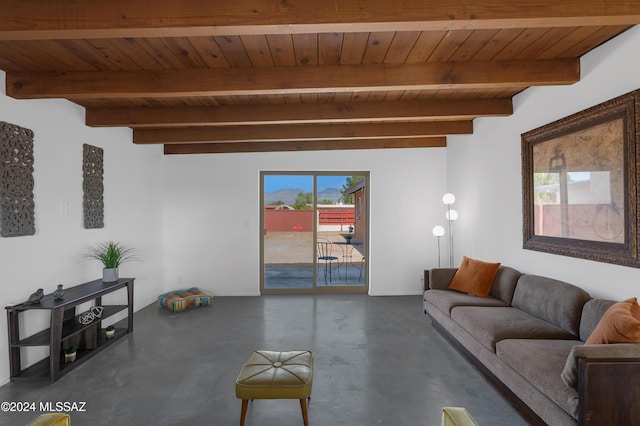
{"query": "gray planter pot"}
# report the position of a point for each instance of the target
(109, 275)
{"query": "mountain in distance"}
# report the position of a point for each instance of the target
(332, 194)
(288, 195)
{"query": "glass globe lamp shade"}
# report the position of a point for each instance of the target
(451, 215)
(448, 198)
(438, 231)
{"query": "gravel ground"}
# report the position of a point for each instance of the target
(297, 247)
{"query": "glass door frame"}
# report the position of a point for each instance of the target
(333, 289)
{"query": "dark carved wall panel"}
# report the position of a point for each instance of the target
(93, 169)
(17, 207)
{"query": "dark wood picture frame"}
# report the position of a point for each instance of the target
(579, 184)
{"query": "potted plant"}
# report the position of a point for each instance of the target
(70, 354)
(110, 331)
(111, 254)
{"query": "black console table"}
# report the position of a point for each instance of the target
(65, 330)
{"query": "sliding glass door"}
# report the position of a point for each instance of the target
(287, 240)
(315, 228)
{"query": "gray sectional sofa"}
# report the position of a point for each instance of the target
(521, 338)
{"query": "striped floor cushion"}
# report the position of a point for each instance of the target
(181, 300)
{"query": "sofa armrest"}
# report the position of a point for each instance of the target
(608, 391)
(438, 278)
(608, 351)
(622, 351)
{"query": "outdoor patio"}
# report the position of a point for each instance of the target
(288, 260)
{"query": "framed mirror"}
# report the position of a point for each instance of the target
(579, 184)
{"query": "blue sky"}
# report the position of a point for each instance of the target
(304, 182)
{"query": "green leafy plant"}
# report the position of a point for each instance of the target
(111, 254)
(70, 350)
(110, 328)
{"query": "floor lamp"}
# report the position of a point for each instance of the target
(438, 231)
(451, 216)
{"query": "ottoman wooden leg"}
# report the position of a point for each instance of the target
(243, 412)
(303, 407)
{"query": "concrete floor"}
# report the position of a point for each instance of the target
(377, 361)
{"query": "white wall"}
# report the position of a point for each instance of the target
(212, 215)
(195, 219)
(133, 212)
(484, 171)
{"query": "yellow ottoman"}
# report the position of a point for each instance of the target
(457, 416)
(276, 375)
(52, 419)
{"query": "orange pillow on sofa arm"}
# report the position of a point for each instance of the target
(474, 277)
(619, 324)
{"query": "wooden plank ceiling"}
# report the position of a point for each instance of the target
(266, 75)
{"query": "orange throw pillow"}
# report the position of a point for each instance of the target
(619, 324)
(474, 277)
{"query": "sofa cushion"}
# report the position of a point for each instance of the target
(555, 301)
(446, 300)
(490, 325)
(503, 287)
(541, 361)
(592, 312)
(619, 324)
(474, 277)
(569, 374)
(504, 284)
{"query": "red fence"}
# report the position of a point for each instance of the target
(335, 216)
(302, 220)
(288, 220)
(594, 222)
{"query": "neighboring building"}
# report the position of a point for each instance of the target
(358, 190)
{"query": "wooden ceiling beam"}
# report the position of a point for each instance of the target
(239, 147)
(299, 113)
(63, 19)
(299, 132)
(283, 80)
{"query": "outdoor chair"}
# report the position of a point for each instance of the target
(324, 251)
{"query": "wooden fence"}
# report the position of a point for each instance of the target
(302, 220)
